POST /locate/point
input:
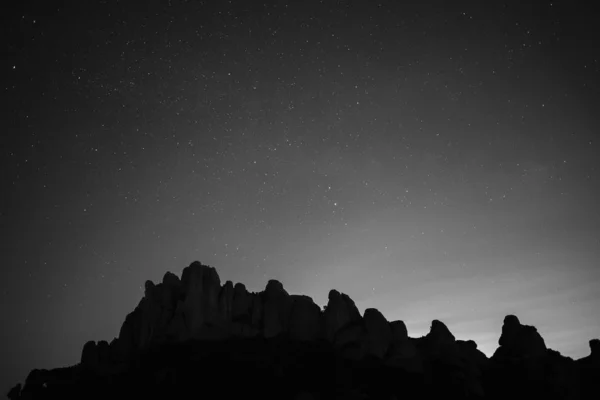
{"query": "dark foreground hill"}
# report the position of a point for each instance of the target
(195, 338)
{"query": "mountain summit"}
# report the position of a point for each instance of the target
(195, 336)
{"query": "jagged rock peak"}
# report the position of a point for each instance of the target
(440, 332)
(510, 329)
(595, 347)
(148, 286)
(399, 331)
(305, 319)
(519, 340)
(379, 332)
(471, 344)
(340, 310)
(373, 314)
(274, 288)
(198, 270)
(277, 309)
(170, 279)
(89, 354)
(242, 302)
(15, 392)
(201, 286)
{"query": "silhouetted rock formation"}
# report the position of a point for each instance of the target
(519, 341)
(594, 357)
(15, 392)
(590, 369)
(339, 312)
(305, 319)
(273, 344)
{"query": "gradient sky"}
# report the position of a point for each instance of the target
(435, 160)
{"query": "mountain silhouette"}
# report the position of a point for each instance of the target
(193, 336)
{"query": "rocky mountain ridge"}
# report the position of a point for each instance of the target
(209, 319)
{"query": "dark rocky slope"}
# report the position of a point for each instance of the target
(195, 338)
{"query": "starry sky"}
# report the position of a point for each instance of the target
(435, 160)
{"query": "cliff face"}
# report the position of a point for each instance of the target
(196, 333)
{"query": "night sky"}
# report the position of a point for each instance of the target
(435, 160)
